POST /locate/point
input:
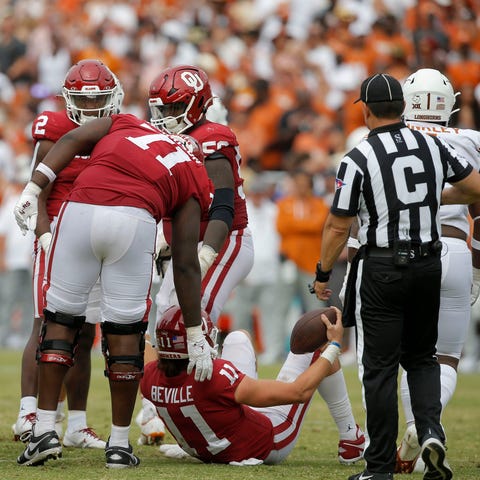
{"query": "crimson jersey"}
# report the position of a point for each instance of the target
(51, 126)
(136, 165)
(215, 137)
(204, 417)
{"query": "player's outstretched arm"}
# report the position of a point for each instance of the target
(266, 393)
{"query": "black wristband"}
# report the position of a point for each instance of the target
(320, 275)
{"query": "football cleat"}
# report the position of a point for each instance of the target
(152, 429)
(120, 457)
(350, 451)
(408, 451)
(436, 466)
(40, 449)
(22, 428)
(84, 438)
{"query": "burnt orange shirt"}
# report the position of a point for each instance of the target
(300, 223)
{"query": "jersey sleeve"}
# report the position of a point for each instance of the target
(51, 126)
(348, 186)
(457, 166)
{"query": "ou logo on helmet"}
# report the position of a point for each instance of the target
(192, 80)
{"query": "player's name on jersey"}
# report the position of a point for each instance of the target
(172, 395)
(433, 129)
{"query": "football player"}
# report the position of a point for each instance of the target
(90, 91)
(430, 100)
(217, 421)
(106, 229)
(179, 98)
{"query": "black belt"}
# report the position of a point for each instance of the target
(416, 251)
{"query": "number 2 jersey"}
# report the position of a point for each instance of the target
(136, 165)
(51, 126)
(204, 417)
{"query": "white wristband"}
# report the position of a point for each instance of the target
(194, 333)
(206, 257)
(331, 353)
(475, 244)
(47, 171)
(353, 242)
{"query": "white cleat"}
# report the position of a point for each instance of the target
(22, 428)
(84, 438)
(408, 451)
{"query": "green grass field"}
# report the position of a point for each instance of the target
(314, 457)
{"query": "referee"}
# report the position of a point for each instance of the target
(392, 182)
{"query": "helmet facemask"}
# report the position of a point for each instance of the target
(91, 91)
(172, 117)
(85, 106)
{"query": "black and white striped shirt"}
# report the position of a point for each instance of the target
(393, 181)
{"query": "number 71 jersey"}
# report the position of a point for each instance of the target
(137, 165)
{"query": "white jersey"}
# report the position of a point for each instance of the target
(467, 143)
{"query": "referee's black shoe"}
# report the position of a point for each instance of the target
(436, 466)
(366, 475)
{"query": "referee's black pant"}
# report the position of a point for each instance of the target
(396, 320)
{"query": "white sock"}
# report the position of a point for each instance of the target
(119, 436)
(60, 408)
(405, 396)
(45, 421)
(448, 383)
(77, 420)
(333, 390)
(27, 405)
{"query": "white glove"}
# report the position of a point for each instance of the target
(247, 462)
(206, 257)
(172, 450)
(162, 248)
(200, 353)
(45, 239)
(475, 285)
(26, 208)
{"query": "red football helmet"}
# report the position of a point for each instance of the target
(91, 91)
(179, 98)
(171, 334)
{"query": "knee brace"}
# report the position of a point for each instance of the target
(134, 360)
(73, 322)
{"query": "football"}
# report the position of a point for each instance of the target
(310, 333)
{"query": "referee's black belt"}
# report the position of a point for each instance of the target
(416, 251)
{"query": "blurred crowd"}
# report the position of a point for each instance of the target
(287, 71)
